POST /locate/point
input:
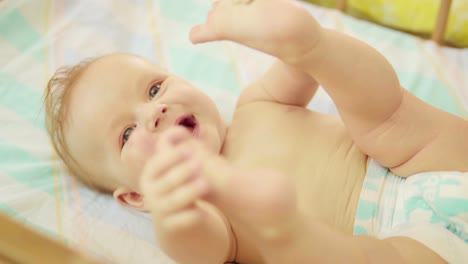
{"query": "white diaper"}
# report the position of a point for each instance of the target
(430, 207)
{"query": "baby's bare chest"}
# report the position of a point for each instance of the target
(313, 149)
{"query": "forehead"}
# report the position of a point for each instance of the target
(106, 83)
(114, 71)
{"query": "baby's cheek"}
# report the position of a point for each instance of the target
(137, 151)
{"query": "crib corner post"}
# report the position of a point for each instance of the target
(441, 23)
(341, 5)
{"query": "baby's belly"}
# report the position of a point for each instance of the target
(329, 173)
(313, 149)
(330, 192)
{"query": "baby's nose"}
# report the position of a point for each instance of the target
(159, 113)
(154, 114)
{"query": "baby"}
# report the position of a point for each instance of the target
(281, 184)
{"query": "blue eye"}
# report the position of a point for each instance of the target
(154, 90)
(126, 135)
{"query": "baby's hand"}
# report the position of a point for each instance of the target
(281, 28)
(171, 182)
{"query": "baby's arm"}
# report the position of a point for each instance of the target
(188, 229)
(206, 241)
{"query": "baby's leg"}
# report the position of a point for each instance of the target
(386, 121)
(263, 200)
(264, 203)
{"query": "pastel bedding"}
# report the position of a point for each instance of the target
(36, 37)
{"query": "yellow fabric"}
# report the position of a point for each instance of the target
(417, 16)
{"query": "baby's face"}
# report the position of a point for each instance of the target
(120, 106)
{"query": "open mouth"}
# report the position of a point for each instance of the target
(189, 122)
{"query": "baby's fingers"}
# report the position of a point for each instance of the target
(181, 198)
(182, 220)
(159, 165)
(174, 178)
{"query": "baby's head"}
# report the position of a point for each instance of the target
(104, 116)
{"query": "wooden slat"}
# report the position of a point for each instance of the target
(341, 5)
(441, 23)
(22, 245)
(4, 259)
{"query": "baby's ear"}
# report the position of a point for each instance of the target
(128, 197)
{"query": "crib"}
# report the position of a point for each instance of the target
(46, 215)
(440, 24)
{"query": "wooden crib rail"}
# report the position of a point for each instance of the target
(22, 245)
(440, 25)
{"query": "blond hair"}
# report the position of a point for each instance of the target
(56, 98)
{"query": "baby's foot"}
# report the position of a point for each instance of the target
(262, 200)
